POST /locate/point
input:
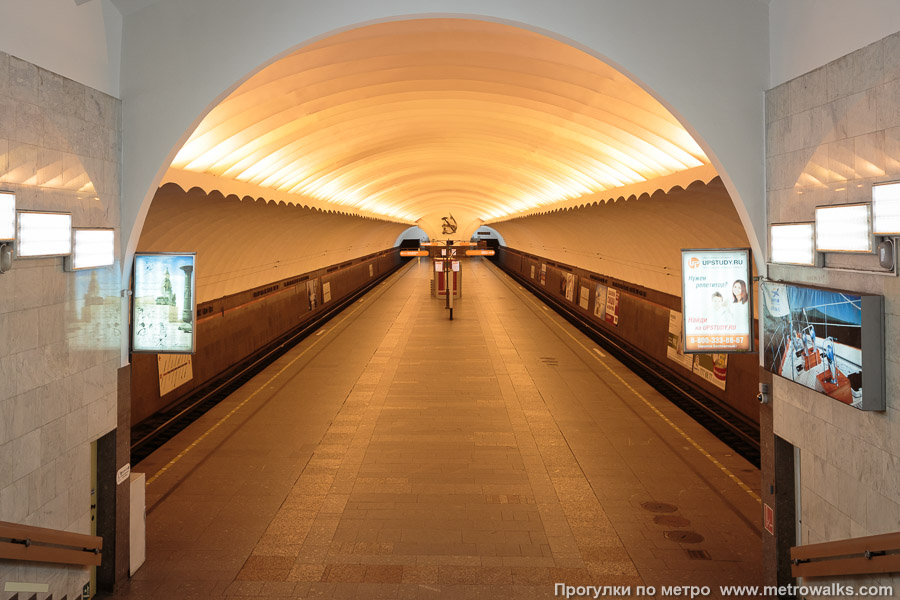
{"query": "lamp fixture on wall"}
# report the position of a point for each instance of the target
(91, 248)
(844, 228)
(793, 244)
(43, 233)
(886, 208)
(7, 216)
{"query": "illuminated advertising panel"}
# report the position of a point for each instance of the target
(717, 300)
(826, 340)
(164, 306)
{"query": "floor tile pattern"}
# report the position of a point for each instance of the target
(404, 455)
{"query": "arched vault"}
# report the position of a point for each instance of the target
(412, 120)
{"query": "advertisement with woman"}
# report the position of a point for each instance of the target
(717, 300)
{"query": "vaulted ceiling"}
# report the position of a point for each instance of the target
(411, 120)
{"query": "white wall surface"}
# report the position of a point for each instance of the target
(806, 34)
(705, 60)
(83, 43)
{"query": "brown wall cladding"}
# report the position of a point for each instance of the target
(231, 328)
(643, 324)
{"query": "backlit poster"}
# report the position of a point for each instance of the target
(717, 300)
(543, 274)
(612, 306)
(825, 340)
(532, 271)
(600, 301)
(164, 309)
(326, 292)
(584, 298)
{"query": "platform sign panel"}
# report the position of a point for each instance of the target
(164, 308)
(717, 301)
(826, 340)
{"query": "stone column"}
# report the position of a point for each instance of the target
(188, 312)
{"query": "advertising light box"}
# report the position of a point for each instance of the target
(717, 300)
(164, 306)
(826, 340)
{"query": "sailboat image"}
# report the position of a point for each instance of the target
(813, 338)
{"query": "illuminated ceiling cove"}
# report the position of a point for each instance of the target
(409, 120)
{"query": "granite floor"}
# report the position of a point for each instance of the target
(398, 454)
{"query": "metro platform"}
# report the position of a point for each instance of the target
(399, 454)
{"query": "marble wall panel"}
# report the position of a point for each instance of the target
(60, 144)
(850, 460)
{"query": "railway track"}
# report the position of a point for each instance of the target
(151, 433)
(733, 429)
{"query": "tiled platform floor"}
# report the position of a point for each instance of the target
(402, 455)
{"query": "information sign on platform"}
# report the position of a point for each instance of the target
(717, 300)
(164, 303)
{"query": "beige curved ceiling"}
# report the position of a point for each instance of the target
(247, 242)
(635, 239)
(410, 120)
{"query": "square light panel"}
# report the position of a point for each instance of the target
(886, 208)
(844, 228)
(7, 216)
(40, 234)
(92, 248)
(793, 243)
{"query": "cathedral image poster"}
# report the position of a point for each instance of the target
(164, 305)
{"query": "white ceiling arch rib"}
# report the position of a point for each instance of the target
(412, 119)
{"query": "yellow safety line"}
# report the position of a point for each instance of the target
(680, 431)
(250, 397)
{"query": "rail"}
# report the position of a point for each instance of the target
(24, 542)
(151, 433)
(730, 427)
(857, 556)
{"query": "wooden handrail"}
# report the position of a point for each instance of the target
(24, 542)
(857, 556)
